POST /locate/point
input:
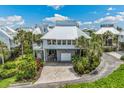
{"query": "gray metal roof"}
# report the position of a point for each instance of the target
(65, 33)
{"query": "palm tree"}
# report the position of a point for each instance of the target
(20, 39)
(37, 38)
(106, 35)
(82, 43)
(3, 47)
(95, 46)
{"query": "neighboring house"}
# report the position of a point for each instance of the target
(121, 40)
(59, 44)
(108, 38)
(40, 29)
(7, 36)
(121, 37)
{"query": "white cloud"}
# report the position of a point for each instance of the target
(84, 23)
(80, 23)
(56, 17)
(110, 19)
(56, 7)
(87, 23)
(11, 20)
(110, 9)
(107, 13)
(121, 13)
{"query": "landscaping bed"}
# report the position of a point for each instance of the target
(20, 70)
(115, 80)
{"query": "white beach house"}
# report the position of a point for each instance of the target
(109, 33)
(59, 43)
(7, 35)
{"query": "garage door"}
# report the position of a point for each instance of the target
(65, 56)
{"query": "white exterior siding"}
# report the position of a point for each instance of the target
(5, 39)
(121, 38)
(46, 46)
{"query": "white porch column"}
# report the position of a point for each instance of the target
(44, 53)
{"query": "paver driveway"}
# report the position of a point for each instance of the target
(57, 71)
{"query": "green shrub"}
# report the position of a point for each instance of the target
(83, 65)
(7, 73)
(80, 65)
(27, 69)
(122, 58)
(9, 65)
(95, 62)
(109, 49)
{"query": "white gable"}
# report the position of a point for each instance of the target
(10, 29)
(6, 34)
(121, 33)
(37, 31)
(106, 29)
(65, 33)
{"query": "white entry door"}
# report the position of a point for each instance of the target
(65, 56)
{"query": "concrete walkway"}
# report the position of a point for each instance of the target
(117, 54)
(107, 66)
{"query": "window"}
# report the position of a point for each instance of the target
(121, 36)
(64, 42)
(49, 42)
(73, 42)
(54, 42)
(69, 42)
(59, 42)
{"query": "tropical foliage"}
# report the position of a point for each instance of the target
(37, 38)
(80, 64)
(114, 41)
(3, 51)
(23, 39)
(23, 68)
(27, 69)
(93, 49)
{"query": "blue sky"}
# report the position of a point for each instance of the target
(86, 15)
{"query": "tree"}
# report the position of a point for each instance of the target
(95, 47)
(82, 43)
(3, 51)
(26, 40)
(20, 39)
(106, 35)
(37, 38)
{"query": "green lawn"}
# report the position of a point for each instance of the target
(115, 80)
(6, 82)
